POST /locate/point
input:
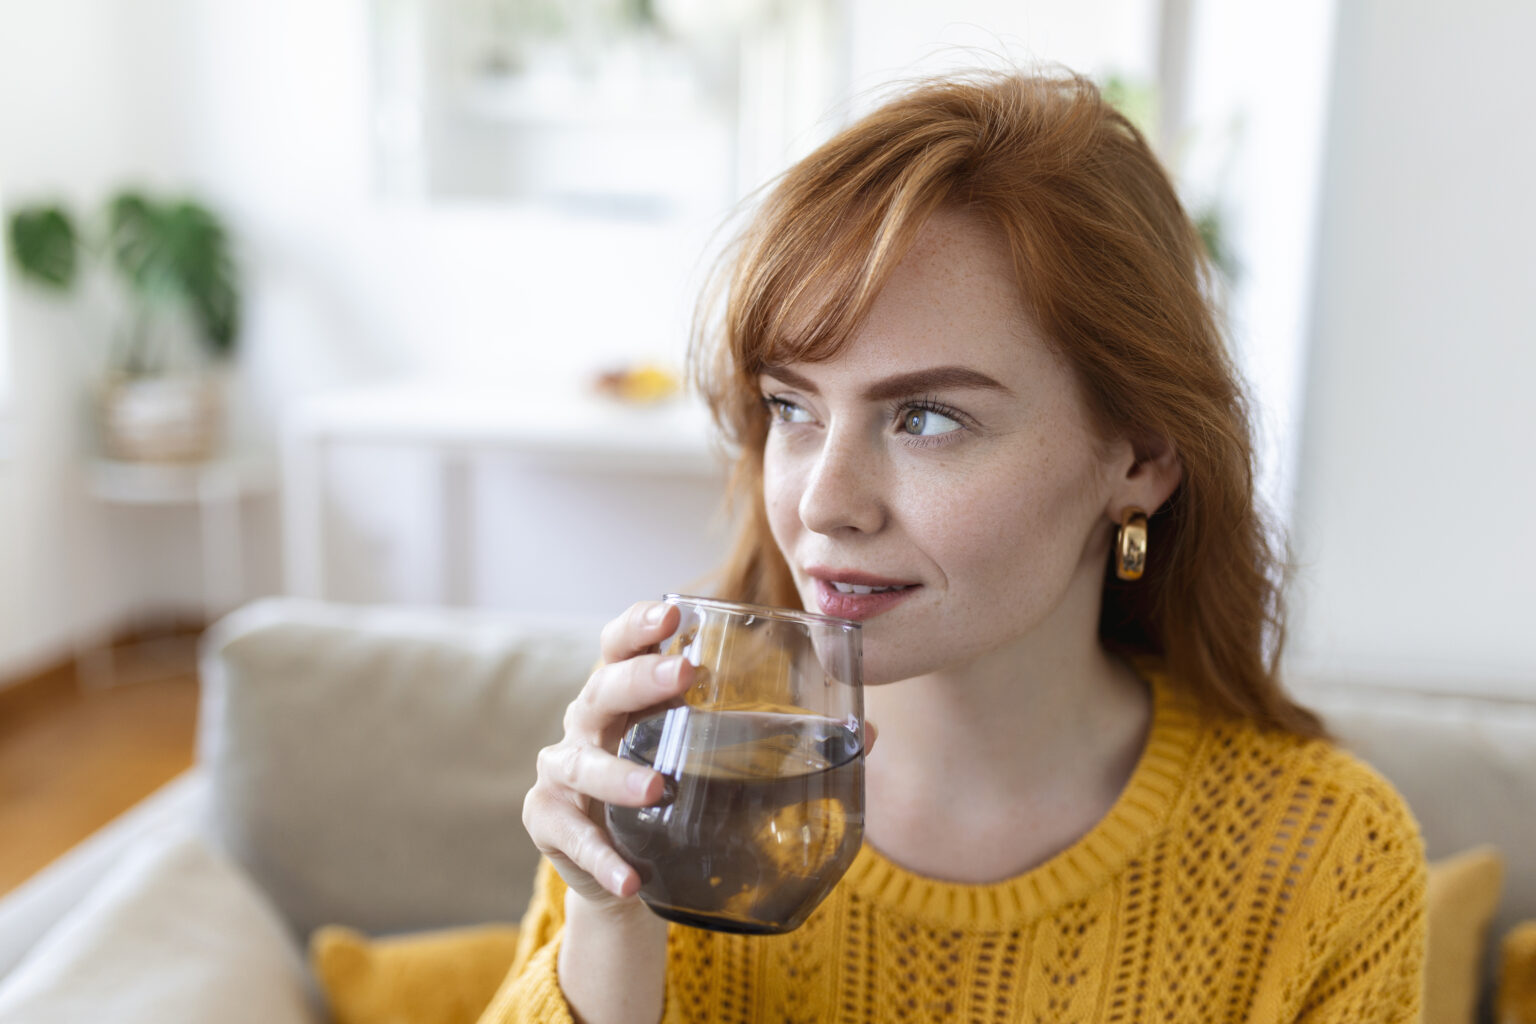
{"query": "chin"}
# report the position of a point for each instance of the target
(892, 661)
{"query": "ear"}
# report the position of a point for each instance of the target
(1147, 475)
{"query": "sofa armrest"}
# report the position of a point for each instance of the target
(175, 933)
(28, 912)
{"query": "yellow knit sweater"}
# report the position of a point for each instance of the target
(1242, 875)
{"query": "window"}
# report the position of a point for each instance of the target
(626, 107)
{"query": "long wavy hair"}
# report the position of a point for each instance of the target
(1115, 274)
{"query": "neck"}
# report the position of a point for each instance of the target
(1034, 739)
(1010, 719)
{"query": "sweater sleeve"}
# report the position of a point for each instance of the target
(1365, 918)
(531, 994)
(1379, 977)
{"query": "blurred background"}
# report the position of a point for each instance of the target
(385, 300)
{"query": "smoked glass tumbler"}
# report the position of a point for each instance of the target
(763, 760)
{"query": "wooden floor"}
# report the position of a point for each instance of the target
(73, 758)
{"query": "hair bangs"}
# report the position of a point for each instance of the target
(810, 290)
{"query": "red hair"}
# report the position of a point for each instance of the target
(1114, 273)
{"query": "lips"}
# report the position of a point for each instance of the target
(849, 594)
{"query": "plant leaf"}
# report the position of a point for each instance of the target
(45, 245)
(178, 253)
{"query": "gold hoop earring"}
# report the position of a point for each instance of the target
(1131, 545)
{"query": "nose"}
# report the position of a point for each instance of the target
(843, 489)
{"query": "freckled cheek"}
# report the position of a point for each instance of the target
(987, 541)
(781, 498)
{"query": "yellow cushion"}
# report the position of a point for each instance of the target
(1517, 976)
(443, 977)
(1463, 894)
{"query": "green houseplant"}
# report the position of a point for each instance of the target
(174, 296)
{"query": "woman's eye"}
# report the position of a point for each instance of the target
(781, 411)
(927, 423)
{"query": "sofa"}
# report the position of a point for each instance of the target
(366, 767)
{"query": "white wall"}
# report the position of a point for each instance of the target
(262, 108)
(87, 100)
(10, 543)
(5, 361)
(1417, 478)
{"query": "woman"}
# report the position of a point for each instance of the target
(969, 364)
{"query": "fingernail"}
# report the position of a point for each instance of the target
(655, 613)
(638, 782)
(667, 670)
(616, 881)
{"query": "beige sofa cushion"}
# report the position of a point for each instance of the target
(368, 766)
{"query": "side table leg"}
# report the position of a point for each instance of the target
(455, 530)
(303, 498)
(218, 500)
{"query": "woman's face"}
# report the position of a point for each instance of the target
(945, 454)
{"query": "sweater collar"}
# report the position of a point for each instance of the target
(1137, 816)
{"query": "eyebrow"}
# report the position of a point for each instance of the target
(902, 385)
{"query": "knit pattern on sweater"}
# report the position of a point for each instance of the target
(1241, 875)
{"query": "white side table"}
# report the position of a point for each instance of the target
(216, 488)
(575, 430)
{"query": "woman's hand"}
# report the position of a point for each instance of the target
(578, 775)
(612, 962)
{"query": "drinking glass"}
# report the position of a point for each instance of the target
(763, 762)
